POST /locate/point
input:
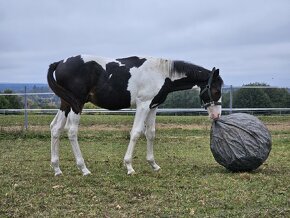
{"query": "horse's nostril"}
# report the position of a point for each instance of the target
(215, 116)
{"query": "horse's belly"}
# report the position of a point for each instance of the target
(111, 99)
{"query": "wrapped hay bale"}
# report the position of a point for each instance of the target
(240, 142)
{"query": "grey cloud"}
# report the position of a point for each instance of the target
(247, 40)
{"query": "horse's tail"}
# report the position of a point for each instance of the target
(60, 91)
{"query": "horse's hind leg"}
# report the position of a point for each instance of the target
(56, 126)
(150, 136)
(72, 127)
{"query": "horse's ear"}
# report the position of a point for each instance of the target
(216, 72)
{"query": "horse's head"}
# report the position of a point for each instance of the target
(210, 94)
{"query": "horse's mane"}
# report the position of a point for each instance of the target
(191, 70)
(177, 69)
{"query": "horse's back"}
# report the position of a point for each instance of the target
(111, 83)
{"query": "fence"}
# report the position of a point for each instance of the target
(230, 109)
(275, 109)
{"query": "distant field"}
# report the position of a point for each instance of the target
(190, 183)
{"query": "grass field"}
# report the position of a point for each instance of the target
(190, 183)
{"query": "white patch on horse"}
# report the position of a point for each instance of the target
(196, 87)
(146, 81)
(100, 60)
(176, 76)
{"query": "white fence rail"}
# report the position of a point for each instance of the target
(25, 110)
(159, 110)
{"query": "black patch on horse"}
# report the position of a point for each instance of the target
(185, 67)
(83, 82)
(171, 86)
(133, 61)
(111, 90)
(162, 94)
(78, 77)
(192, 71)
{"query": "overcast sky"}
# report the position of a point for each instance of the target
(248, 40)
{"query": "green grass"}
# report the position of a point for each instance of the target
(190, 183)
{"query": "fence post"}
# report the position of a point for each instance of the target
(231, 99)
(25, 109)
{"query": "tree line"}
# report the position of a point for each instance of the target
(9, 101)
(262, 97)
(33, 101)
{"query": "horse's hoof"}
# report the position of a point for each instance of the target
(156, 169)
(131, 172)
(86, 172)
(58, 173)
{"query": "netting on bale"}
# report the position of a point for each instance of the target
(240, 142)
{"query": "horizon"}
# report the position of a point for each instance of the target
(224, 86)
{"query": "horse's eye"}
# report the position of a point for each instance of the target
(216, 92)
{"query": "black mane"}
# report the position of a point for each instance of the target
(195, 72)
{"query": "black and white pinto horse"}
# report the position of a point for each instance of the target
(121, 83)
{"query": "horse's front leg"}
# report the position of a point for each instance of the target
(150, 136)
(142, 111)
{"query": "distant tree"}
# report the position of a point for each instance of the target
(259, 97)
(32, 103)
(279, 97)
(89, 105)
(4, 103)
(182, 99)
(226, 100)
(251, 97)
(10, 101)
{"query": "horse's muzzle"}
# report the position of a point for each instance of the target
(215, 116)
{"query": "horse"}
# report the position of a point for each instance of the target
(143, 82)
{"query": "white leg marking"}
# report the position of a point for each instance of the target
(56, 126)
(150, 136)
(142, 111)
(72, 126)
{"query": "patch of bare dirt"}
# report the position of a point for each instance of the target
(278, 126)
(20, 128)
(118, 127)
(158, 126)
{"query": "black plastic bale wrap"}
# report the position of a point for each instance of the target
(240, 142)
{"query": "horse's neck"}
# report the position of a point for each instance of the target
(186, 75)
